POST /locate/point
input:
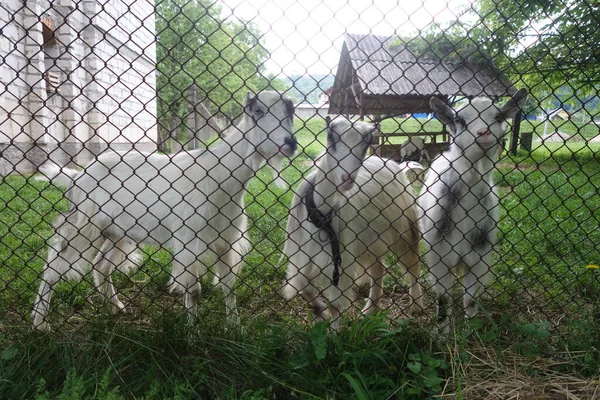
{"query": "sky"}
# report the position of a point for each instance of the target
(306, 36)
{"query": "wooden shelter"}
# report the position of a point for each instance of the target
(379, 77)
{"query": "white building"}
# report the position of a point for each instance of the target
(306, 111)
(76, 77)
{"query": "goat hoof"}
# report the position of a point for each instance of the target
(320, 311)
(118, 308)
(176, 288)
(416, 310)
(370, 309)
(195, 293)
(234, 324)
(323, 315)
(42, 326)
(443, 327)
(234, 320)
(471, 310)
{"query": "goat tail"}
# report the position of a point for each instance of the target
(57, 175)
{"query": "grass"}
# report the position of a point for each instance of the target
(582, 132)
(542, 306)
(268, 360)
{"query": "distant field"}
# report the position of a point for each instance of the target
(583, 132)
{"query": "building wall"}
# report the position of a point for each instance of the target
(106, 64)
(307, 111)
(14, 72)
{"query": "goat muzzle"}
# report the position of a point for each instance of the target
(485, 138)
(347, 182)
(483, 132)
(290, 145)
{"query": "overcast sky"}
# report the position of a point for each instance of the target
(306, 36)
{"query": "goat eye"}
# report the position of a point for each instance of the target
(459, 121)
(259, 112)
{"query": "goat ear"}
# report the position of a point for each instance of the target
(368, 128)
(512, 106)
(249, 101)
(330, 132)
(375, 128)
(289, 105)
(443, 112)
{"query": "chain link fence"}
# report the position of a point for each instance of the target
(136, 98)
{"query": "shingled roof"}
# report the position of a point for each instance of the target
(375, 76)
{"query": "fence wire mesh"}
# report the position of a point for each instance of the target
(136, 98)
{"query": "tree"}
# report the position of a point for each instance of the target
(196, 45)
(550, 46)
(454, 42)
(308, 88)
(546, 43)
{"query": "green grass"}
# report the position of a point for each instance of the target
(549, 229)
(586, 130)
(166, 361)
(543, 302)
(583, 131)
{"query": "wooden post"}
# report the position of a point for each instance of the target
(361, 108)
(204, 120)
(191, 119)
(176, 145)
(514, 137)
(163, 138)
(526, 139)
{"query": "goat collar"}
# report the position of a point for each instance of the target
(323, 221)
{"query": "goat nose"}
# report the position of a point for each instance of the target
(483, 131)
(347, 179)
(291, 143)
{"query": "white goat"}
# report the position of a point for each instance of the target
(458, 199)
(414, 150)
(192, 202)
(371, 208)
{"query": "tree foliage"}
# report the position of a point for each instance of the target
(455, 42)
(308, 88)
(550, 46)
(196, 45)
(546, 43)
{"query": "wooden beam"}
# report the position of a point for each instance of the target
(443, 134)
(514, 137)
(395, 105)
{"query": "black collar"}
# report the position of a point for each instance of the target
(323, 221)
